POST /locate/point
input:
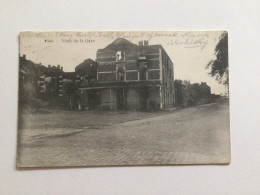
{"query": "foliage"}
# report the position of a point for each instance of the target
(219, 66)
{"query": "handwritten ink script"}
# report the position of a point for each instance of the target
(190, 40)
(179, 38)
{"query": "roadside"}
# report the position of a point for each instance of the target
(53, 118)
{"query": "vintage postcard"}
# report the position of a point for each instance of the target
(123, 98)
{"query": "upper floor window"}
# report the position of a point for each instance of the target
(142, 71)
(120, 56)
(142, 74)
(120, 74)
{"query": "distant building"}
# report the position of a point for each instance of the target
(188, 94)
(215, 98)
(86, 77)
(204, 95)
(29, 76)
(87, 71)
(133, 76)
(87, 67)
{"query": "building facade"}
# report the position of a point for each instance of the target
(62, 88)
(135, 77)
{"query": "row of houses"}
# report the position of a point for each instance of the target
(123, 76)
(29, 76)
(188, 94)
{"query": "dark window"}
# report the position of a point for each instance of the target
(106, 77)
(120, 74)
(155, 74)
(131, 76)
(142, 74)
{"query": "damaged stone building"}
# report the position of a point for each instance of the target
(130, 76)
(124, 76)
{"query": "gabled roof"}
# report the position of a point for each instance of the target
(86, 62)
(119, 45)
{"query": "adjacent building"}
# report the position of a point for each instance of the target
(29, 76)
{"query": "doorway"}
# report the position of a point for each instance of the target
(121, 99)
(144, 94)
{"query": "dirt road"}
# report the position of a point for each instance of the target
(196, 135)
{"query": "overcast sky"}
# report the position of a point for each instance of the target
(189, 51)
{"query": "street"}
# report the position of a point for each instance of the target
(194, 135)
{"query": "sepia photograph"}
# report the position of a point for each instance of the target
(123, 98)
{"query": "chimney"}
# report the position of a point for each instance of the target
(49, 66)
(24, 56)
(146, 43)
(61, 68)
(58, 66)
(140, 43)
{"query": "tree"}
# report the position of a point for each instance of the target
(219, 66)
